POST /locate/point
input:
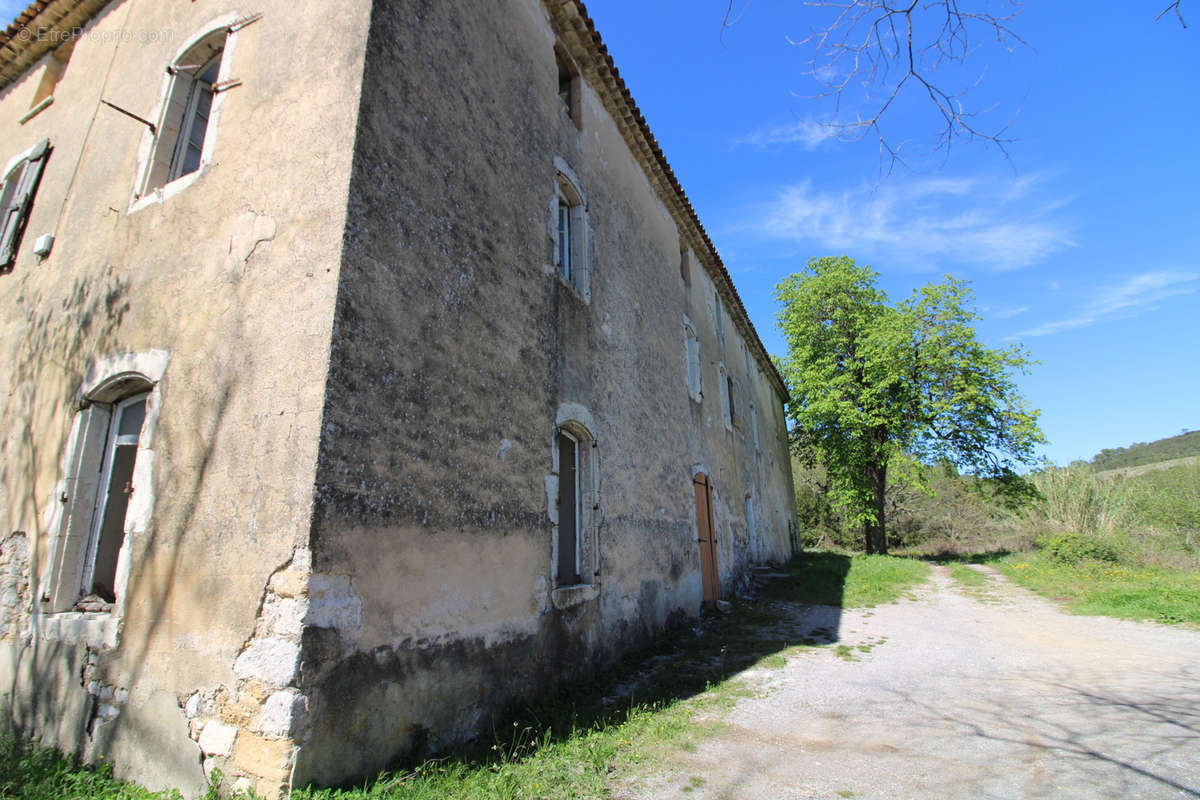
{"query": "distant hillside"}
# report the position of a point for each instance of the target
(1136, 455)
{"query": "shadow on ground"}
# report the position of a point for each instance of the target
(798, 604)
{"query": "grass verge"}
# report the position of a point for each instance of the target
(37, 773)
(850, 581)
(633, 718)
(1112, 590)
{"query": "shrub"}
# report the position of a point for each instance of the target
(1072, 548)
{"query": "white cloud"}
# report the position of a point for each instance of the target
(1006, 313)
(1136, 294)
(998, 222)
(807, 133)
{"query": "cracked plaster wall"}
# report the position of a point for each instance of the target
(456, 344)
(234, 277)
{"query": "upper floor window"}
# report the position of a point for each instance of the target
(570, 231)
(185, 123)
(692, 353)
(685, 266)
(569, 87)
(16, 199)
(719, 319)
(728, 387)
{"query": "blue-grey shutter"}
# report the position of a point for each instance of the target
(14, 216)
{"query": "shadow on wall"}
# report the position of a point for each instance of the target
(65, 692)
(794, 605)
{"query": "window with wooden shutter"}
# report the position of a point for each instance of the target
(16, 199)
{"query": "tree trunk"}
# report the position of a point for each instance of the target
(875, 535)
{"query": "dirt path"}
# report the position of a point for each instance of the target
(955, 694)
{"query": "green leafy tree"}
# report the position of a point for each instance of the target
(871, 381)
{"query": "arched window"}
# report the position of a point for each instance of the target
(188, 111)
(569, 230)
(105, 492)
(574, 506)
(569, 251)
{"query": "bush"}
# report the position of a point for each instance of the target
(1073, 548)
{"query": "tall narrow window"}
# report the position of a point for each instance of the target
(16, 199)
(112, 501)
(692, 354)
(179, 146)
(719, 319)
(570, 231)
(732, 392)
(685, 267)
(726, 389)
(564, 237)
(568, 510)
(569, 88)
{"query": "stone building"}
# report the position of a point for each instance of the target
(366, 370)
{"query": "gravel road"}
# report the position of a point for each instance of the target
(960, 694)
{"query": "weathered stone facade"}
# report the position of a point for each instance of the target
(424, 313)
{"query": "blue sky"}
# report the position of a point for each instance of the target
(1082, 244)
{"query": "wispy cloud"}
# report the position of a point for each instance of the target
(1135, 295)
(808, 134)
(1005, 313)
(996, 222)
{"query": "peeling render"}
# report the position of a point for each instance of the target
(342, 534)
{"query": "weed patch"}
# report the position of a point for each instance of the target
(1113, 590)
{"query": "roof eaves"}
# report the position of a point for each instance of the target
(579, 33)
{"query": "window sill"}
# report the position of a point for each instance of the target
(33, 112)
(97, 629)
(159, 194)
(572, 286)
(565, 597)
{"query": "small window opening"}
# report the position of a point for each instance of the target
(56, 67)
(568, 85)
(112, 501)
(719, 319)
(732, 402)
(568, 510)
(685, 267)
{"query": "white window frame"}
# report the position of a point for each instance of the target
(112, 441)
(147, 191)
(71, 515)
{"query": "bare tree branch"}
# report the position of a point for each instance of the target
(1178, 13)
(891, 48)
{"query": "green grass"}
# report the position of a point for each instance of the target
(674, 693)
(36, 773)
(1107, 589)
(967, 577)
(850, 581)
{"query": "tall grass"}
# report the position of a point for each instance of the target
(1150, 520)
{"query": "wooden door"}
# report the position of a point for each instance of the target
(709, 576)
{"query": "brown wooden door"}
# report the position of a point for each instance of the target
(709, 576)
